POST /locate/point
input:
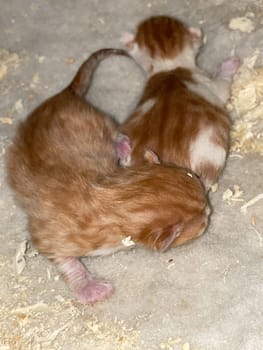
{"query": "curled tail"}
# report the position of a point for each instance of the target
(82, 79)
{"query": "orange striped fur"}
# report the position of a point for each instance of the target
(181, 114)
(162, 36)
(62, 166)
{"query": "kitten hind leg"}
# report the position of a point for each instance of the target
(86, 289)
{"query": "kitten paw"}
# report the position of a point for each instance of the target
(229, 67)
(93, 292)
(127, 39)
(86, 289)
(123, 149)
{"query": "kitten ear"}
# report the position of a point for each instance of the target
(127, 39)
(151, 157)
(164, 237)
(196, 34)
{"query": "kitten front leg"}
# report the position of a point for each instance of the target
(86, 289)
(224, 77)
(228, 69)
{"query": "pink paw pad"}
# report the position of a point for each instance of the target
(85, 288)
(229, 67)
(93, 291)
(123, 149)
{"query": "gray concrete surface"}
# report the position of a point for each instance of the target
(205, 295)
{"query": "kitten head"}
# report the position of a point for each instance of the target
(163, 43)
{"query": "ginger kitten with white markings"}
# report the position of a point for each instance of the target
(181, 114)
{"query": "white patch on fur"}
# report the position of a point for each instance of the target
(107, 250)
(146, 106)
(186, 59)
(204, 150)
(215, 90)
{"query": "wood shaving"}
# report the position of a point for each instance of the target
(34, 81)
(41, 59)
(214, 188)
(234, 155)
(127, 242)
(70, 60)
(20, 257)
(251, 202)
(60, 298)
(233, 194)
(250, 14)
(177, 340)
(18, 106)
(23, 253)
(259, 235)
(115, 333)
(102, 20)
(48, 274)
(247, 101)
(169, 345)
(35, 325)
(3, 71)
(253, 220)
(170, 265)
(6, 120)
(186, 346)
(7, 60)
(52, 336)
(32, 253)
(243, 24)
(39, 307)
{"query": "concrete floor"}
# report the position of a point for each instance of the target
(205, 295)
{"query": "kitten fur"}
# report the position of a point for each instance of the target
(181, 114)
(63, 168)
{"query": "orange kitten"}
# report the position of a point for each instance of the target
(63, 168)
(181, 113)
